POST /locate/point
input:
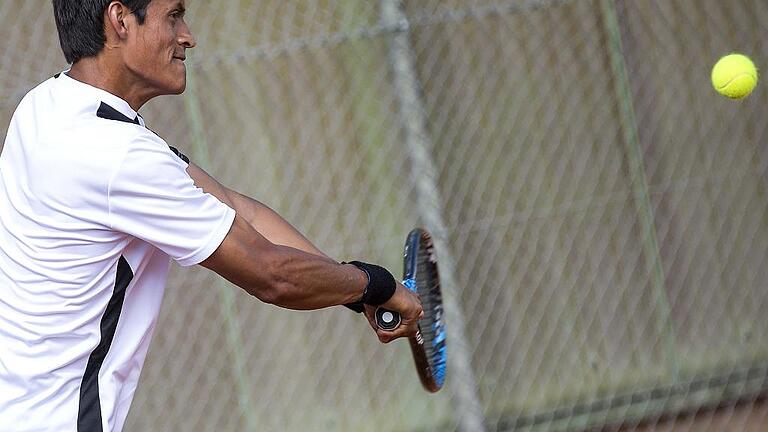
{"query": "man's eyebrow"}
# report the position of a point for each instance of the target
(180, 7)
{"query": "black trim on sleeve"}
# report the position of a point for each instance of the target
(181, 155)
(89, 411)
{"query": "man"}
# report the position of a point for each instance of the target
(93, 205)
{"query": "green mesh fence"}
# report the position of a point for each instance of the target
(603, 211)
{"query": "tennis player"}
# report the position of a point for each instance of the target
(93, 205)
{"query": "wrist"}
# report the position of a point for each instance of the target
(381, 284)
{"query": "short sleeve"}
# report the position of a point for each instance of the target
(152, 197)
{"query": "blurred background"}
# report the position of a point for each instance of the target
(600, 212)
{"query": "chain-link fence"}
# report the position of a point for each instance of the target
(601, 210)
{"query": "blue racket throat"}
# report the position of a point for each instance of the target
(410, 284)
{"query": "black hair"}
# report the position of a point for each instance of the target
(81, 25)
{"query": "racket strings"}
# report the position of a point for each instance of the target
(427, 285)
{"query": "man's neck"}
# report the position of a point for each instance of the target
(98, 72)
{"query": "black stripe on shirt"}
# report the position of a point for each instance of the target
(107, 112)
(89, 411)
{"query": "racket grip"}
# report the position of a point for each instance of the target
(386, 319)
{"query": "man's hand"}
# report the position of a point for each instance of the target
(405, 302)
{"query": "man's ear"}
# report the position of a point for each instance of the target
(115, 20)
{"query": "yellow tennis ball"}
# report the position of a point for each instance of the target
(734, 76)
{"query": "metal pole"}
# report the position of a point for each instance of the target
(461, 380)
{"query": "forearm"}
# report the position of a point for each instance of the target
(282, 275)
(308, 281)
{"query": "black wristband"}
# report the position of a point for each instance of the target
(357, 306)
(381, 284)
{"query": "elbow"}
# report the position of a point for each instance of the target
(270, 293)
(269, 296)
(259, 267)
(275, 288)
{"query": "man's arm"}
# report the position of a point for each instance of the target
(282, 267)
(263, 219)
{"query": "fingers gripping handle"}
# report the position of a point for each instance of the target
(388, 320)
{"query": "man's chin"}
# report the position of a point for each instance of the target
(178, 82)
(180, 89)
(177, 87)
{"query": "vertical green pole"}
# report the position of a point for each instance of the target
(638, 181)
(226, 294)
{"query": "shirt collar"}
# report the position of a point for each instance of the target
(102, 95)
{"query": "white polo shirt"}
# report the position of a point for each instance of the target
(92, 205)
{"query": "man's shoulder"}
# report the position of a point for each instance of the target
(35, 93)
(71, 105)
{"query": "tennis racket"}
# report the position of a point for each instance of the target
(420, 275)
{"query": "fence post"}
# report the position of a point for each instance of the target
(461, 380)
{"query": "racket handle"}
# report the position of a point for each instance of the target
(386, 319)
